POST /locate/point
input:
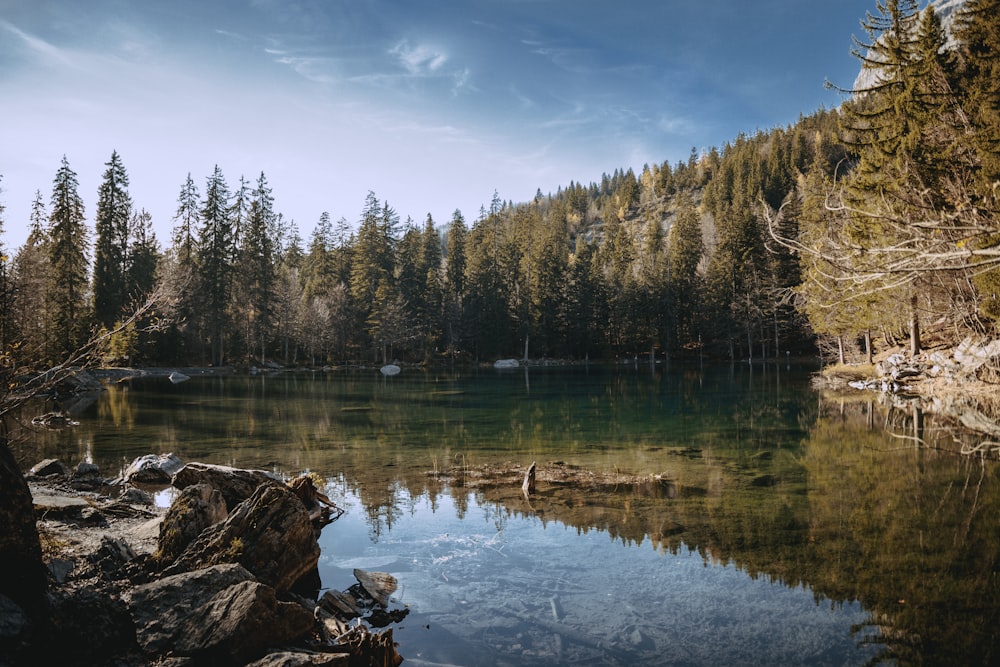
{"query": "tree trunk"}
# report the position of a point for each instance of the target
(868, 345)
(840, 349)
(914, 327)
(23, 576)
(777, 344)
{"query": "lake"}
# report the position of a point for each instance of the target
(779, 526)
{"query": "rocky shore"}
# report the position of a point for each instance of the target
(959, 386)
(227, 575)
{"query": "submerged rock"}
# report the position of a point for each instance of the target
(176, 377)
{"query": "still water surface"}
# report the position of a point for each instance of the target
(781, 527)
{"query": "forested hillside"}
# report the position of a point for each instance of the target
(876, 220)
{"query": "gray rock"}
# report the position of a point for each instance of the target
(218, 614)
(59, 569)
(57, 505)
(238, 623)
(302, 659)
(86, 469)
(86, 476)
(152, 469)
(235, 484)
(270, 534)
(49, 467)
(135, 496)
(161, 608)
(195, 509)
(13, 621)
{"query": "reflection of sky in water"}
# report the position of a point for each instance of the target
(503, 590)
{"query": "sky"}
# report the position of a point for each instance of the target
(433, 105)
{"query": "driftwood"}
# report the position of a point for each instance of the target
(528, 486)
(321, 509)
(380, 585)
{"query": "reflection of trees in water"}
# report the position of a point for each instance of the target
(910, 528)
(852, 512)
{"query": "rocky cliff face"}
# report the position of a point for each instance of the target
(947, 10)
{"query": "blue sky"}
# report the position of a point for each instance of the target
(432, 104)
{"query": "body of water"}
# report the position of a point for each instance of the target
(778, 526)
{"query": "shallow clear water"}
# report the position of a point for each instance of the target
(777, 526)
(486, 588)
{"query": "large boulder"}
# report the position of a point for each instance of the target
(195, 509)
(302, 659)
(23, 576)
(269, 534)
(241, 621)
(216, 615)
(159, 609)
(235, 484)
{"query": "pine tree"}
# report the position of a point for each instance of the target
(31, 279)
(216, 249)
(187, 221)
(111, 222)
(255, 273)
(977, 29)
(6, 287)
(454, 280)
(68, 247)
(685, 249)
(905, 128)
(318, 274)
(144, 256)
(372, 269)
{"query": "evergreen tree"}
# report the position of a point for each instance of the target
(142, 270)
(216, 249)
(31, 279)
(111, 248)
(6, 287)
(454, 280)
(256, 278)
(144, 256)
(68, 247)
(372, 271)
(187, 221)
(904, 126)
(977, 29)
(288, 296)
(685, 249)
(318, 274)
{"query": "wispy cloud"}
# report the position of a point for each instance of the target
(419, 60)
(313, 68)
(39, 47)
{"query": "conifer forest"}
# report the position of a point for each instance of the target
(874, 223)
